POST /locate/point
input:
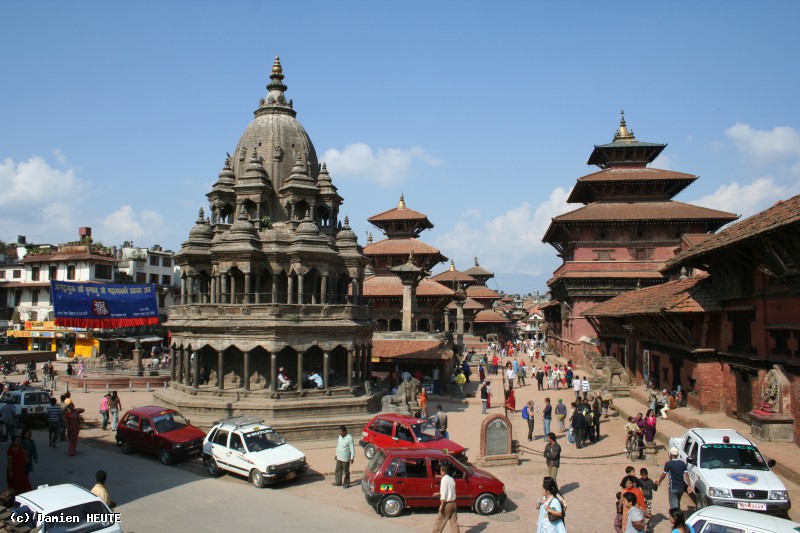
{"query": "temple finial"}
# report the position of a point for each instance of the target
(277, 68)
(476, 261)
(402, 203)
(623, 134)
(452, 265)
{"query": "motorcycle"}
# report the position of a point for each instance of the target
(10, 367)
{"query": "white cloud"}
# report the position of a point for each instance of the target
(509, 242)
(765, 146)
(386, 167)
(33, 183)
(747, 199)
(127, 224)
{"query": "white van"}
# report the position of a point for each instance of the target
(68, 507)
(716, 519)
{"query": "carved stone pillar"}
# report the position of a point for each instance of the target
(185, 359)
(300, 278)
(273, 371)
(326, 370)
(247, 291)
(290, 290)
(324, 290)
(233, 290)
(225, 297)
(220, 375)
(274, 290)
(174, 354)
(354, 287)
(196, 369)
(446, 321)
(299, 371)
(246, 370)
(183, 291)
(350, 356)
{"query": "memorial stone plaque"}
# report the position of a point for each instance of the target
(497, 437)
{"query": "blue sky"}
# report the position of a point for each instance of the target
(118, 115)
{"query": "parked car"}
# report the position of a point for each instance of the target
(393, 431)
(161, 431)
(397, 478)
(248, 447)
(726, 469)
(29, 403)
(54, 508)
(715, 518)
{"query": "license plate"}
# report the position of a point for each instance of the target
(291, 475)
(751, 506)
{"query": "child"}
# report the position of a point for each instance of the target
(648, 486)
(629, 472)
(618, 516)
(631, 429)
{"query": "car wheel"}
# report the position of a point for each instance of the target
(257, 478)
(213, 468)
(485, 504)
(166, 457)
(392, 506)
(369, 451)
(125, 446)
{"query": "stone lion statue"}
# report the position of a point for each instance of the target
(407, 392)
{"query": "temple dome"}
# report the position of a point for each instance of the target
(277, 135)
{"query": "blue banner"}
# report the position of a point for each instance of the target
(94, 305)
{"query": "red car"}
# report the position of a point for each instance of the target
(392, 431)
(407, 477)
(159, 430)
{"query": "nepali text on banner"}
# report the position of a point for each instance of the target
(93, 305)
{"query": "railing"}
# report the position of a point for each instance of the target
(305, 298)
(293, 312)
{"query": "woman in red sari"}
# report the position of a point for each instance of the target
(17, 471)
(73, 416)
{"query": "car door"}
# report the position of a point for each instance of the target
(414, 482)
(382, 432)
(237, 456)
(403, 436)
(692, 464)
(148, 437)
(219, 448)
(132, 433)
(464, 494)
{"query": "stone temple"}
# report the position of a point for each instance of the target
(272, 279)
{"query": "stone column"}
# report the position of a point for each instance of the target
(259, 288)
(172, 362)
(186, 357)
(273, 369)
(408, 315)
(446, 320)
(354, 289)
(324, 290)
(274, 290)
(220, 375)
(196, 365)
(350, 355)
(233, 290)
(224, 290)
(459, 324)
(326, 370)
(183, 291)
(300, 288)
(290, 290)
(246, 370)
(248, 296)
(299, 371)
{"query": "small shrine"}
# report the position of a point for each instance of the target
(772, 420)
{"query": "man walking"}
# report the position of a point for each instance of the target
(561, 414)
(678, 478)
(440, 421)
(448, 511)
(552, 455)
(53, 422)
(585, 387)
(576, 386)
(484, 396)
(578, 427)
(345, 456)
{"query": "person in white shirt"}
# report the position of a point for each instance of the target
(283, 382)
(585, 387)
(576, 386)
(448, 509)
(510, 375)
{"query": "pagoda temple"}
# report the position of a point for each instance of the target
(621, 237)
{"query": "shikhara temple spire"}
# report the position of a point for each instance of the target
(402, 203)
(623, 134)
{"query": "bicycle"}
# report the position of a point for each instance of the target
(632, 448)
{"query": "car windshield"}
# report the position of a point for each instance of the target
(377, 460)
(466, 468)
(426, 432)
(731, 456)
(170, 421)
(262, 439)
(76, 519)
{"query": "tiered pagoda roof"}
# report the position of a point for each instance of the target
(454, 278)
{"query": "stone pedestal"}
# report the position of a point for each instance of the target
(772, 427)
(651, 453)
(137, 360)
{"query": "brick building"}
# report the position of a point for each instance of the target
(727, 330)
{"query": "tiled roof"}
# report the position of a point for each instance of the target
(778, 216)
(482, 291)
(605, 274)
(410, 349)
(397, 213)
(489, 316)
(375, 286)
(693, 239)
(636, 174)
(451, 276)
(469, 305)
(689, 295)
(48, 258)
(400, 246)
(643, 210)
(551, 303)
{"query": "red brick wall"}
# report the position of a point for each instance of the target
(713, 380)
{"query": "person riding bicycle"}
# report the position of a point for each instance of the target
(631, 429)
